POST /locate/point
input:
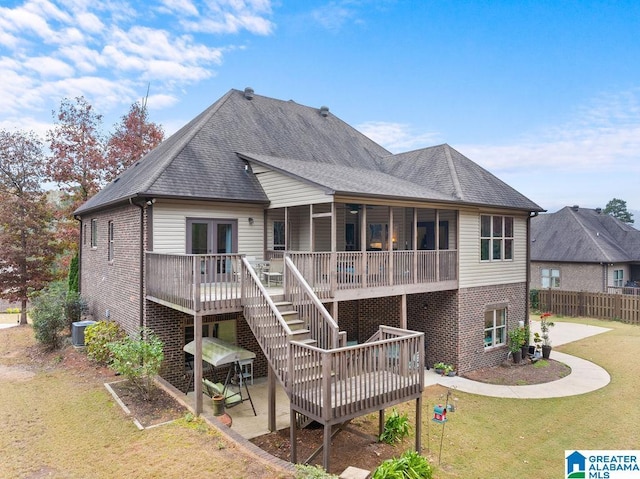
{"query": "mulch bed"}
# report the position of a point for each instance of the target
(161, 408)
(510, 374)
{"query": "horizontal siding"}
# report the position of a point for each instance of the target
(473, 272)
(285, 191)
(170, 221)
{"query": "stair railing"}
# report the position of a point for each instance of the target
(318, 321)
(265, 321)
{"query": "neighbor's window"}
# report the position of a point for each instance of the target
(495, 327)
(496, 238)
(618, 277)
(94, 233)
(278, 235)
(110, 241)
(550, 278)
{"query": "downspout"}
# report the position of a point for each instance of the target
(527, 304)
(141, 280)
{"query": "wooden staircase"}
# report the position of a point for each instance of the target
(326, 381)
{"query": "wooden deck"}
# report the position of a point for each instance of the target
(215, 284)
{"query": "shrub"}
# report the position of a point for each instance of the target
(410, 465)
(48, 314)
(74, 307)
(74, 276)
(396, 427)
(139, 360)
(306, 471)
(534, 300)
(97, 338)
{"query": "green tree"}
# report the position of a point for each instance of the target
(27, 250)
(618, 209)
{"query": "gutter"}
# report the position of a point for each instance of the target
(79, 220)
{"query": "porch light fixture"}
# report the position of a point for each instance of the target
(353, 209)
(251, 221)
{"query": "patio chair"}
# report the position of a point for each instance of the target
(274, 272)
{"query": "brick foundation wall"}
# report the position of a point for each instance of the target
(473, 304)
(113, 286)
(361, 318)
(436, 315)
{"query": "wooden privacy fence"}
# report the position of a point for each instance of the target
(619, 307)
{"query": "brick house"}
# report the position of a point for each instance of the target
(584, 249)
(424, 241)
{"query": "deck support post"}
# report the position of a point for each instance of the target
(292, 435)
(418, 424)
(326, 444)
(271, 411)
(197, 363)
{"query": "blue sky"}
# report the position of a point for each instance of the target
(544, 94)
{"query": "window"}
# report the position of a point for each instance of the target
(550, 278)
(496, 238)
(110, 241)
(618, 277)
(94, 233)
(495, 327)
(278, 236)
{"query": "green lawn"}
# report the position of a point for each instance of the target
(506, 438)
(57, 425)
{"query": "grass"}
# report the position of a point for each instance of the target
(56, 424)
(504, 438)
(61, 424)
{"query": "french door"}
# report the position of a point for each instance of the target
(213, 236)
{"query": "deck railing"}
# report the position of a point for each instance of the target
(195, 283)
(211, 284)
(327, 272)
(317, 320)
(331, 386)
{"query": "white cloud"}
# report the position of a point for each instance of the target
(603, 134)
(108, 51)
(49, 67)
(397, 137)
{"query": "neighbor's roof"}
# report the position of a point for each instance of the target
(583, 235)
(206, 158)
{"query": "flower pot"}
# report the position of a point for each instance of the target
(218, 405)
(524, 351)
(451, 373)
(546, 351)
(439, 370)
(517, 356)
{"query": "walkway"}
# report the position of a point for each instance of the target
(585, 376)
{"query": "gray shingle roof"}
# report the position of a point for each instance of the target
(583, 235)
(200, 161)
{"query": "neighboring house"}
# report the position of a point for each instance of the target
(582, 249)
(424, 241)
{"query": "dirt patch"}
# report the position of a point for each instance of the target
(15, 373)
(159, 409)
(355, 445)
(510, 374)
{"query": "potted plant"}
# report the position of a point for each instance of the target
(515, 344)
(526, 337)
(448, 370)
(537, 341)
(439, 367)
(545, 324)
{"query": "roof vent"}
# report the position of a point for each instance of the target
(599, 210)
(575, 207)
(324, 111)
(248, 93)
